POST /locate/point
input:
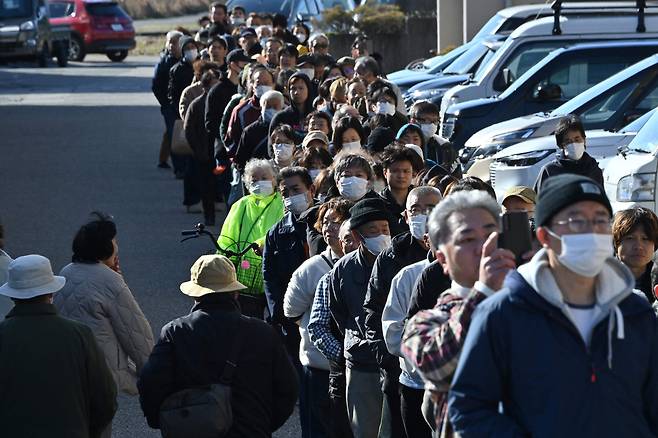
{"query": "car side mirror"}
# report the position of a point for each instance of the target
(546, 92)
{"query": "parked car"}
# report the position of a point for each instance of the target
(532, 42)
(306, 9)
(97, 26)
(557, 78)
(520, 165)
(610, 105)
(630, 177)
(27, 33)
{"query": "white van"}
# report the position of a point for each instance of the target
(630, 178)
(530, 43)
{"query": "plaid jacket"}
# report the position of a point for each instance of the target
(319, 324)
(433, 341)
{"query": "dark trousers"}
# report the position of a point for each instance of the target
(314, 403)
(191, 182)
(411, 401)
(170, 114)
(339, 422)
(391, 389)
(165, 148)
(207, 187)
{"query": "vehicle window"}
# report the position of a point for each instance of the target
(61, 9)
(466, 61)
(528, 55)
(606, 105)
(650, 101)
(638, 123)
(105, 10)
(15, 8)
(647, 138)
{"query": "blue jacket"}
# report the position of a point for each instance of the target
(523, 350)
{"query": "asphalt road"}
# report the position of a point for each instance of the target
(84, 138)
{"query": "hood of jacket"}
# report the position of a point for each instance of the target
(614, 283)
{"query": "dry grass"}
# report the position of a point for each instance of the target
(147, 45)
(163, 8)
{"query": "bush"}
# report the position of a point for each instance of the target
(163, 8)
(371, 20)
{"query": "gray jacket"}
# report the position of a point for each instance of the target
(347, 291)
(99, 298)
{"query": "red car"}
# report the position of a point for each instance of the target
(97, 26)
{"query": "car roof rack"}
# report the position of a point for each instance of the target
(638, 6)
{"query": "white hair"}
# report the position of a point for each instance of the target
(315, 36)
(257, 163)
(173, 34)
(438, 224)
(261, 28)
(272, 95)
(417, 192)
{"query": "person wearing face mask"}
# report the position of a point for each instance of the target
(349, 136)
(406, 248)
(315, 160)
(316, 139)
(271, 48)
(301, 32)
(301, 95)
(238, 16)
(367, 69)
(249, 110)
(572, 156)
(380, 107)
(254, 140)
(569, 334)
(348, 284)
(247, 222)
(426, 115)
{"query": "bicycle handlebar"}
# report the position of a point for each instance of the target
(200, 229)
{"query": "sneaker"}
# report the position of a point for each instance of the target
(196, 208)
(164, 165)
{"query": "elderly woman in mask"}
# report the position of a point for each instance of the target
(248, 222)
(254, 140)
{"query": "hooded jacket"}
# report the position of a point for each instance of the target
(291, 115)
(160, 81)
(253, 143)
(523, 348)
(586, 166)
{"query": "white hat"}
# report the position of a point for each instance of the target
(31, 276)
(210, 274)
(417, 149)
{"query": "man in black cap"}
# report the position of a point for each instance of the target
(348, 284)
(568, 348)
(249, 41)
(216, 101)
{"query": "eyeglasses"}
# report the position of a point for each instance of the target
(415, 211)
(578, 224)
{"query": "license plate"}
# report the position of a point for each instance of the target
(117, 27)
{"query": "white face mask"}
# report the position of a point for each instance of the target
(385, 108)
(301, 37)
(282, 151)
(236, 21)
(314, 173)
(352, 146)
(352, 187)
(261, 188)
(585, 254)
(574, 151)
(296, 204)
(308, 72)
(261, 89)
(377, 244)
(268, 114)
(190, 55)
(429, 129)
(418, 226)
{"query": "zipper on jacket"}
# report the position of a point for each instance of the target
(574, 331)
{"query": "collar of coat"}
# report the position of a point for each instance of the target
(217, 301)
(25, 309)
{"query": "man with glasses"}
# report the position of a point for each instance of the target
(568, 349)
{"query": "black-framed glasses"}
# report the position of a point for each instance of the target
(579, 225)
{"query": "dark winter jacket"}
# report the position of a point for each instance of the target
(195, 130)
(586, 166)
(253, 143)
(443, 152)
(192, 351)
(522, 349)
(432, 283)
(160, 81)
(404, 251)
(243, 115)
(348, 285)
(54, 381)
(643, 284)
(293, 116)
(180, 77)
(397, 222)
(216, 101)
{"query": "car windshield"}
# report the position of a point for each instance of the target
(105, 9)
(646, 139)
(15, 8)
(465, 63)
(574, 105)
(638, 123)
(445, 60)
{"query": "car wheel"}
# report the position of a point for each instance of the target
(117, 56)
(42, 57)
(62, 54)
(76, 49)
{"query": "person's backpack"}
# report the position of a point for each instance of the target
(203, 411)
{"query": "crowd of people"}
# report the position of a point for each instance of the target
(374, 292)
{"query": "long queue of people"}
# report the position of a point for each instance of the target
(374, 290)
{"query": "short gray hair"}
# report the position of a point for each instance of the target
(173, 34)
(272, 95)
(422, 191)
(317, 36)
(438, 222)
(257, 163)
